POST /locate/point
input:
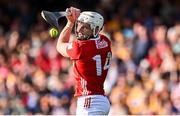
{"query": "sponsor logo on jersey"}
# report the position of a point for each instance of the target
(101, 44)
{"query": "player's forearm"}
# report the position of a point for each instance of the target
(63, 39)
(65, 33)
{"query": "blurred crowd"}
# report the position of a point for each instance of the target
(144, 75)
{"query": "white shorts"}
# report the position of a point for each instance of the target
(92, 105)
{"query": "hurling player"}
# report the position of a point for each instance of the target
(91, 54)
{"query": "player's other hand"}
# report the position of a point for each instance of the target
(73, 14)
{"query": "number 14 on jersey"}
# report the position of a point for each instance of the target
(99, 66)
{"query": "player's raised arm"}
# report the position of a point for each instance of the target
(64, 36)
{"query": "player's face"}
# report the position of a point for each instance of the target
(83, 30)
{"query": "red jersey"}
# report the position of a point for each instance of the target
(91, 61)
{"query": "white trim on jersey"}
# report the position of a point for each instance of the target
(84, 86)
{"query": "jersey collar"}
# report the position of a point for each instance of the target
(95, 38)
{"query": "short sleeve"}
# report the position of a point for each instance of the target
(74, 50)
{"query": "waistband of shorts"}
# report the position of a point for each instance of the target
(92, 96)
